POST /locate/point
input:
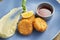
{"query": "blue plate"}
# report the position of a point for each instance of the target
(53, 24)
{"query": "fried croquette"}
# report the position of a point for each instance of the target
(31, 19)
(40, 25)
(25, 27)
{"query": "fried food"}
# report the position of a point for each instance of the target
(25, 27)
(40, 25)
(31, 19)
(27, 14)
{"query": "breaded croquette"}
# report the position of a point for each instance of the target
(40, 24)
(31, 19)
(25, 27)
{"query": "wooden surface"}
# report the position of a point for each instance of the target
(57, 37)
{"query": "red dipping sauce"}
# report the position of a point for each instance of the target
(43, 12)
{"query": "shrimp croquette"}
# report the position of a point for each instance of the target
(25, 27)
(40, 25)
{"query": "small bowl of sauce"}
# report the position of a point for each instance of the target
(45, 10)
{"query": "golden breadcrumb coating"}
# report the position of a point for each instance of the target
(25, 27)
(40, 24)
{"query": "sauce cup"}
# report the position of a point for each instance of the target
(45, 9)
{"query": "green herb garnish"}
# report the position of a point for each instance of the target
(24, 5)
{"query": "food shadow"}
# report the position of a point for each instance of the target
(3, 38)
